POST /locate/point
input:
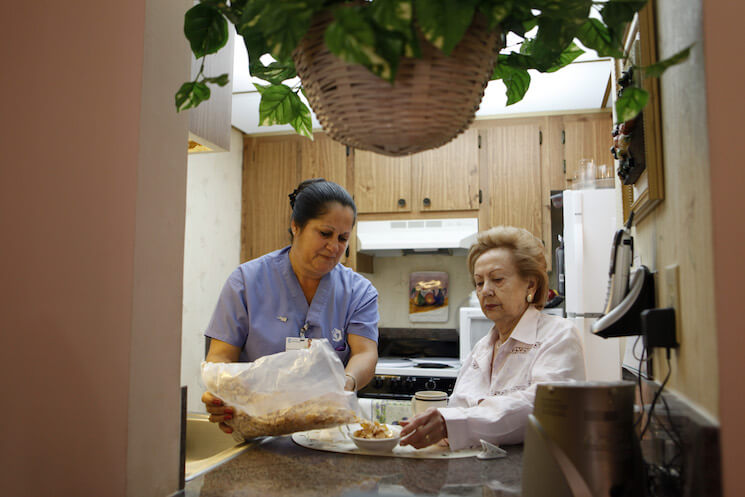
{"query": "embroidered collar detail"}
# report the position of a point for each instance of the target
(526, 330)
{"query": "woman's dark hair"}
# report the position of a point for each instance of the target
(311, 198)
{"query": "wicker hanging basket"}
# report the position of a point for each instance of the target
(432, 100)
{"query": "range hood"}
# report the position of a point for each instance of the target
(416, 236)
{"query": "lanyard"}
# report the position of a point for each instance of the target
(303, 330)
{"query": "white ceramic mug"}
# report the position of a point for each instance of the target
(421, 401)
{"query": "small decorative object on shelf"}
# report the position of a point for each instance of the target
(628, 140)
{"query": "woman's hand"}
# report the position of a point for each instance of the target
(424, 429)
(219, 412)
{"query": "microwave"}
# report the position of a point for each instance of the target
(473, 327)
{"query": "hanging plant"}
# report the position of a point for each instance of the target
(383, 36)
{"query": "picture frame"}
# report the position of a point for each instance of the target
(645, 192)
(428, 296)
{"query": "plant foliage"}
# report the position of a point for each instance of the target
(377, 33)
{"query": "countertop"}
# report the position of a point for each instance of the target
(279, 467)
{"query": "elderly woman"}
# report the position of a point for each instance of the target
(299, 291)
(495, 389)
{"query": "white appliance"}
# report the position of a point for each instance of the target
(473, 327)
(589, 227)
(395, 238)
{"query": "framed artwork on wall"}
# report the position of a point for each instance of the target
(638, 142)
(428, 296)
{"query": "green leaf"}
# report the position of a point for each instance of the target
(283, 23)
(594, 34)
(253, 39)
(392, 15)
(220, 80)
(274, 73)
(630, 103)
(280, 105)
(620, 12)
(655, 70)
(191, 94)
(495, 11)
(520, 19)
(515, 60)
(276, 105)
(568, 10)
(444, 23)
(516, 79)
(302, 122)
(566, 57)
(206, 29)
(351, 37)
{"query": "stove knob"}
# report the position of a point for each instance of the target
(396, 384)
(430, 385)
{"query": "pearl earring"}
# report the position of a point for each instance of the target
(529, 298)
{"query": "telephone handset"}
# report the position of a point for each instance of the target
(621, 321)
(621, 257)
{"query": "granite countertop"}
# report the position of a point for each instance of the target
(279, 467)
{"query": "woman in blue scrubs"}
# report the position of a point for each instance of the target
(300, 291)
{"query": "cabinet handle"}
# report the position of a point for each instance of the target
(426, 201)
(401, 202)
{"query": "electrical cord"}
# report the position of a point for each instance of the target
(642, 361)
(666, 478)
(657, 396)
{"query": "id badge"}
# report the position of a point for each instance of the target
(296, 343)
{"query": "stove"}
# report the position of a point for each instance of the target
(445, 367)
(411, 360)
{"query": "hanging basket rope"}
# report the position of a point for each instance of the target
(433, 99)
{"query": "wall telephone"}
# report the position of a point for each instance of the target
(626, 299)
(622, 253)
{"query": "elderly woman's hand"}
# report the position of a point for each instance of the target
(424, 429)
(219, 412)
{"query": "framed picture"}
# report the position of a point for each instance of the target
(640, 165)
(428, 296)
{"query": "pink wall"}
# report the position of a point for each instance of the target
(725, 73)
(70, 130)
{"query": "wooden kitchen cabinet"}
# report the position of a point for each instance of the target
(569, 138)
(510, 162)
(445, 179)
(270, 173)
(381, 183)
(324, 158)
(272, 168)
(587, 136)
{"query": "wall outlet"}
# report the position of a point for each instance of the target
(672, 286)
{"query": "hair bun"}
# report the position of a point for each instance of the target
(292, 196)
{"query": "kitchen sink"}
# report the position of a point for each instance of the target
(207, 447)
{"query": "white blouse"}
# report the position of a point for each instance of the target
(494, 394)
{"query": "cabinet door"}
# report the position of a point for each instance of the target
(447, 178)
(510, 154)
(381, 183)
(587, 137)
(324, 158)
(270, 174)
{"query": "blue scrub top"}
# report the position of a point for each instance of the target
(262, 304)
